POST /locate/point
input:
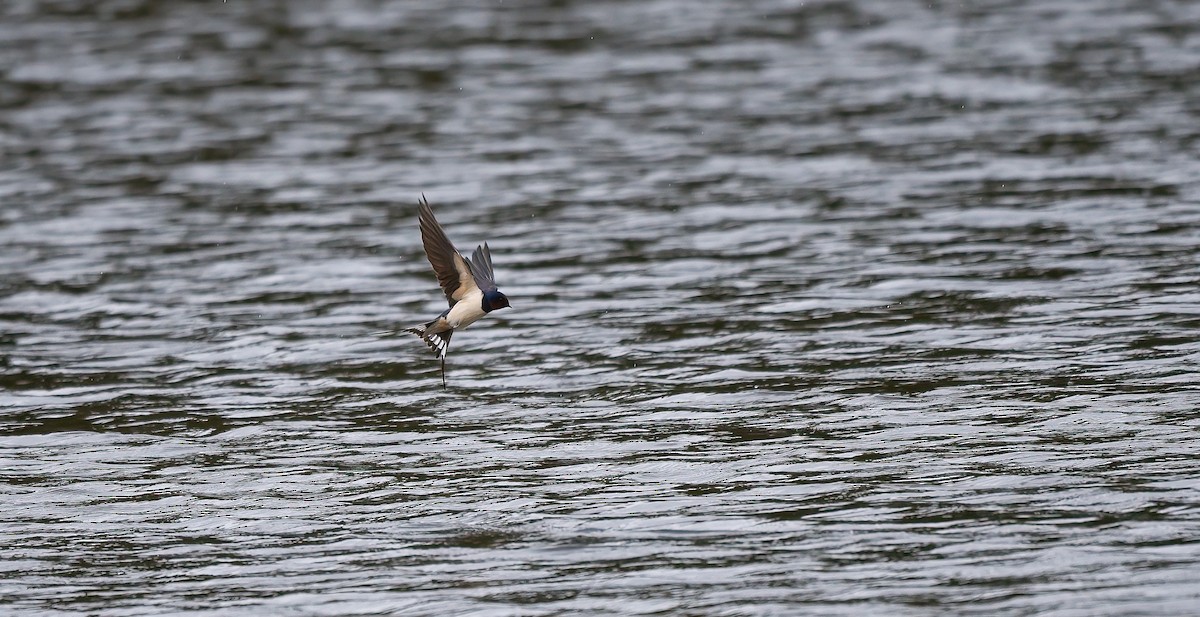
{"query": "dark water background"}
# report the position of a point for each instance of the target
(838, 307)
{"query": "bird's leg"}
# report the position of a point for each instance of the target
(443, 372)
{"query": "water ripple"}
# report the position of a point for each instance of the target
(832, 307)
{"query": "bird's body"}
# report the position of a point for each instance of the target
(470, 286)
(466, 312)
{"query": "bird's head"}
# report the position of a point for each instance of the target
(493, 300)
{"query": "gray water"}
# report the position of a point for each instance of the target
(842, 307)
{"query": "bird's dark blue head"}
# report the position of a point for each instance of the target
(493, 300)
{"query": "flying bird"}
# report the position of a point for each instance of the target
(470, 286)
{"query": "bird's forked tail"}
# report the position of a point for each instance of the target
(439, 342)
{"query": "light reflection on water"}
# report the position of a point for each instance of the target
(839, 307)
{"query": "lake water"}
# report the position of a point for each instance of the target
(843, 307)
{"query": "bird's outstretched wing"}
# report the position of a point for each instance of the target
(481, 268)
(453, 272)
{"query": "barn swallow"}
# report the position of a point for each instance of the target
(470, 286)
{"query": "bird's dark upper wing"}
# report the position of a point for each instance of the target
(481, 268)
(453, 271)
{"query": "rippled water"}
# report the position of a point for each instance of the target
(838, 307)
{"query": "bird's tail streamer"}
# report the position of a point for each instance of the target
(439, 342)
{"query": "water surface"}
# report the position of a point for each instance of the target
(843, 307)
